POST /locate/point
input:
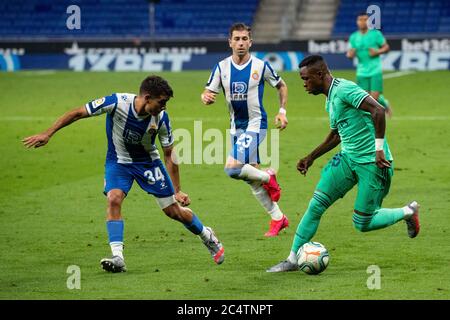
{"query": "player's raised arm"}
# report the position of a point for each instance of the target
(331, 141)
(377, 112)
(42, 139)
(281, 120)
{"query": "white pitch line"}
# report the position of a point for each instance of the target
(397, 74)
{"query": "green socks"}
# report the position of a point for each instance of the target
(382, 218)
(307, 227)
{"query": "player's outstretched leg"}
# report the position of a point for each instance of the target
(284, 266)
(213, 245)
(250, 173)
(193, 224)
(412, 219)
(383, 218)
(278, 220)
(306, 229)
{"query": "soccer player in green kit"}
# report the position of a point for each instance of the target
(358, 123)
(367, 45)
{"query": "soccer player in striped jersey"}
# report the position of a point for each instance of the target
(132, 124)
(241, 77)
(357, 122)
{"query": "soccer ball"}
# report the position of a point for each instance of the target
(312, 258)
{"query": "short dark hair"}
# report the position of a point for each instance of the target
(240, 27)
(311, 60)
(155, 86)
(362, 13)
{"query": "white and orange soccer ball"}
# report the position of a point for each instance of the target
(313, 258)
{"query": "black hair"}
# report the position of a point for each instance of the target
(155, 86)
(362, 13)
(240, 27)
(311, 60)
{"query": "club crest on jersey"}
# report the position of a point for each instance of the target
(255, 75)
(98, 102)
(238, 91)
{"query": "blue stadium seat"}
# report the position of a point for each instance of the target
(123, 18)
(397, 17)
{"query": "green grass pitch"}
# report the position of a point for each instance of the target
(52, 209)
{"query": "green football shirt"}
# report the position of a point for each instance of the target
(355, 126)
(367, 66)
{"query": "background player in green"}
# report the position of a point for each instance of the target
(358, 123)
(367, 45)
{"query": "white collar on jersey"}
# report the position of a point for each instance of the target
(136, 115)
(241, 66)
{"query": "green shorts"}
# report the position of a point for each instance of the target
(341, 174)
(371, 84)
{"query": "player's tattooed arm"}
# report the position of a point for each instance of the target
(331, 141)
(377, 112)
(174, 173)
(42, 139)
(281, 120)
(208, 97)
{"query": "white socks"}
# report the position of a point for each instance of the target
(249, 172)
(292, 257)
(117, 248)
(205, 234)
(408, 212)
(264, 199)
(276, 213)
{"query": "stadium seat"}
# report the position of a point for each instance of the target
(123, 18)
(398, 17)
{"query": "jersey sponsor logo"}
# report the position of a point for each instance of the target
(239, 87)
(132, 137)
(98, 102)
(238, 91)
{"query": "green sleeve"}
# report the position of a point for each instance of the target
(333, 125)
(380, 40)
(351, 41)
(351, 93)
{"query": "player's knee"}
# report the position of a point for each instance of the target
(319, 203)
(233, 172)
(175, 212)
(115, 199)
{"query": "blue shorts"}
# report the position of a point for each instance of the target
(151, 177)
(245, 145)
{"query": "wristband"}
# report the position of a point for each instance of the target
(379, 144)
(282, 111)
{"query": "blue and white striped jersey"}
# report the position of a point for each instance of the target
(243, 87)
(131, 138)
